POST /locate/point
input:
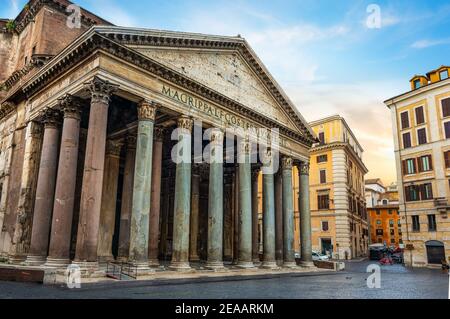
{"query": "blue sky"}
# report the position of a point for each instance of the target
(320, 51)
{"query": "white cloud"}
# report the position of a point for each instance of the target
(423, 44)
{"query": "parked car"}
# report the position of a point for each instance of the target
(319, 257)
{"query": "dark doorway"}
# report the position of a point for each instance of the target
(327, 246)
(435, 251)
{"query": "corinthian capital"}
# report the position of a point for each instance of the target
(159, 133)
(147, 111)
(303, 168)
(216, 136)
(101, 90)
(286, 163)
(113, 147)
(185, 123)
(71, 106)
(51, 118)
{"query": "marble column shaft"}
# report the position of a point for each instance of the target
(195, 205)
(305, 216)
(269, 260)
(91, 195)
(60, 236)
(140, 213)
(255, 215)
(127, 199)
(279, 217)
(182, 205)
(288, 213)
(245, 259)
(155, 206)
(45, 190)
(109, 200)
(215, 202)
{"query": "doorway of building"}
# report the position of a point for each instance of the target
(327, 246)
(435, 251)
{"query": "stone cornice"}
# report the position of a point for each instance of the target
(6, 108)
(94, 41)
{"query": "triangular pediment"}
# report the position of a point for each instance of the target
(225, 72)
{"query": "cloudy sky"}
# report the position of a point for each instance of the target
(325, 55)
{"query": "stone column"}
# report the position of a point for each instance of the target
(288, 213)
(140, 212)
(215, 202)
(269, 261)
(155, 205)
(245, 206)
(182, 205)
(109, 200)
(195, 205)
(60, 236)
(305, 216)
(45, 191)
(127, 202)
(279, 218)
(91, 195)
(255, 214)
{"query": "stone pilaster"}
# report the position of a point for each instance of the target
(305, 216)
(109, 196)
(269, 261)
(255, 214)
(140, 213)
(91, 196)
(182, 206)
(245, 199)
(288, 213)
(215, 204)
(45, 190)
(127, 199)
(63, 206)
(155, 208)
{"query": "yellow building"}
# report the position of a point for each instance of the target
(337, 199)
(421, 122)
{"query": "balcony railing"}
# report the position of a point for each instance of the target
(441, 204)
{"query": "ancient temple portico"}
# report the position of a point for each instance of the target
(120, 178)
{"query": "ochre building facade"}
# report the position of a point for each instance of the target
(421, 126)
(90, 118)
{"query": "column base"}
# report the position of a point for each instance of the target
(180, 266)
(57, 262)
(89, 269)
(307, 264)
(215, 265)
(246, 265)
(142, 268)
(194, 259)
(290, 265)
(33, 260)
(272, 265)
(105, 259)
(122, 259)
(153, 263)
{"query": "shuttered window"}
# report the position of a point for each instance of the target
(322, 138)
(447, 159)
(323, 176)
(422, 136)
(323, 201)
(447, 129)
(409, 166)
(405, 120)
(420, 118)
(406, 140)
(446, 107)
(424, 164)
(415, 223)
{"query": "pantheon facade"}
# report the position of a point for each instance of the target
(90, 117)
